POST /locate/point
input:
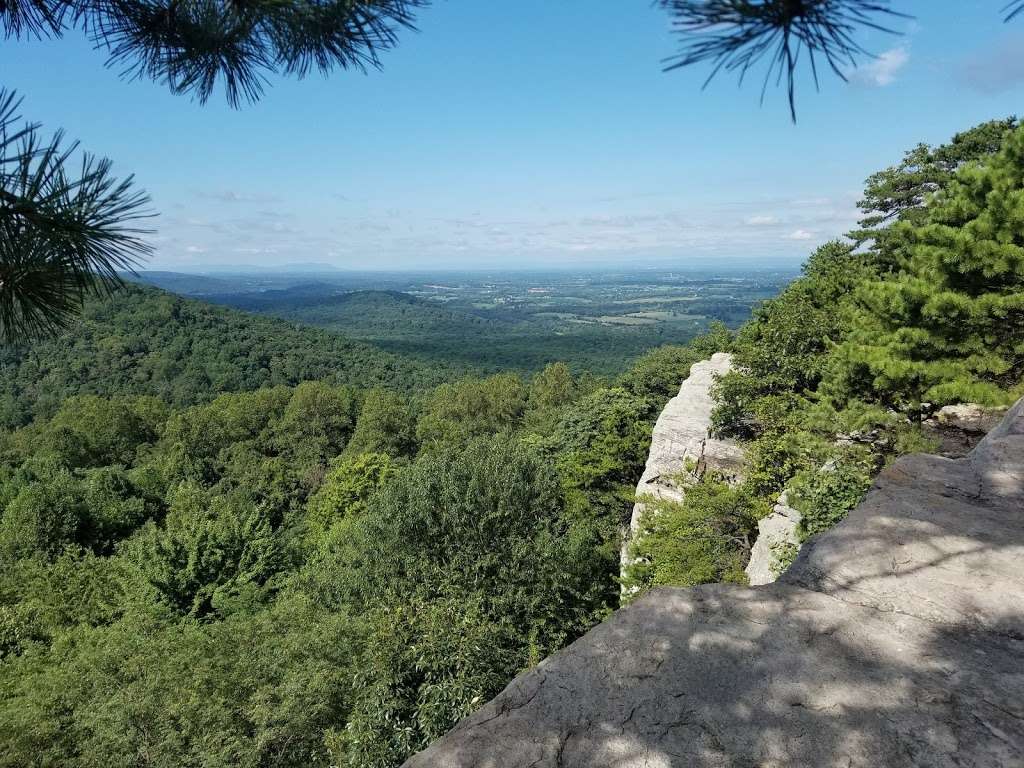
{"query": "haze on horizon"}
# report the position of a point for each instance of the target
(524, 135)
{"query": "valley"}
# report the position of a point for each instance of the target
(593, 321)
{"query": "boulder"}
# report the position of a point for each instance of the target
(969, 417)
(895, 639)
(681, 446)
(958, 428)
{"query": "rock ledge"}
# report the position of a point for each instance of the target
(895, 639)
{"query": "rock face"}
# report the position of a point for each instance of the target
(895, 639)
(777, 540)
(680, 443)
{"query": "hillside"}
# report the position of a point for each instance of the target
(148, 342)
(390, 316)
(518, 330)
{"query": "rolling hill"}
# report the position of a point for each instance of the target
(146, 341)
(417, 328)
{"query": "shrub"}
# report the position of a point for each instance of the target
(824, 496)
(703, 539)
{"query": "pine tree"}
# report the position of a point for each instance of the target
(899, 192)
(64, 231)
(948, 324)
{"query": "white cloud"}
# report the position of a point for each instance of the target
(773, 226)
(233, 196)
(881, 70)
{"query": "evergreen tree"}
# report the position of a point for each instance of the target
(193, 45)
(948, 326)
(63, 234)
(899, 192)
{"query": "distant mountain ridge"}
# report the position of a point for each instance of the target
(181, 282)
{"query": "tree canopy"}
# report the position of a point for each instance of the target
(949, 325)
(313, 571)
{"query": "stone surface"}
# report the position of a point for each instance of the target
(969, 417)
(776, 533)
(939, 538)
(958, 428)
(680, 443)
(896, 639)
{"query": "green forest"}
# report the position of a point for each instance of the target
(229, 540)
(592, 320)
(142, 341)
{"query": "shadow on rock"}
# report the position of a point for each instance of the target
(896, 639)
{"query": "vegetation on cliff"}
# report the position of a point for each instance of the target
(922, 307)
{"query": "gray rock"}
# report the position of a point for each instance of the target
(958, 428)
(896, 639)
(969, 417)
(941, 539)
(681, 446)
(777, 538)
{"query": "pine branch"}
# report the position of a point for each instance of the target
(33, 18)
(192, 45)
(62, 234)
(736, 35)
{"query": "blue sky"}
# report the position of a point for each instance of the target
(525, 134)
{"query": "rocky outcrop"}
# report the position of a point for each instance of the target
(681, 445)
(777, 543)
(895, 639)
(958, 428)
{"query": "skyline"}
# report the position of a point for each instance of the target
(579, 155)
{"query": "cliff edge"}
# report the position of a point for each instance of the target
(681, 443)
(896, 639)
